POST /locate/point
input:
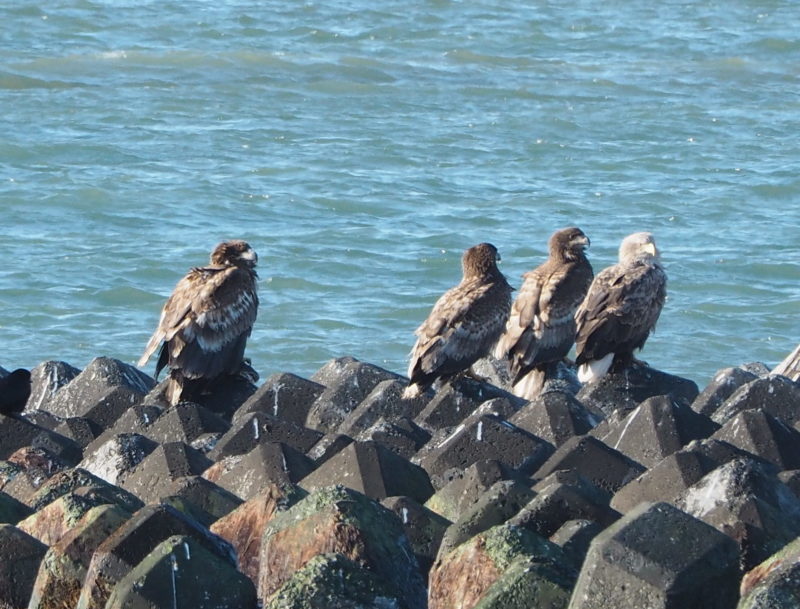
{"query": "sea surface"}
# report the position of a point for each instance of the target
(360, 147)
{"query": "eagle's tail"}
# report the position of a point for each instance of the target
(530, 385)
(174, 389)
(595, 369)
(412, 391)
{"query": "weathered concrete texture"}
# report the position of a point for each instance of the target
(423, 527)
(327, 446)
(602, 465)
(458, 399)
(340, 520)
(52, 521)
(401, 436)
(386, 402)
(563, 496)
(152, 478)
(178, 571)
(344, 390)
(790, 478)
(282, 395)
(503, 568)
(495, 506)
(20, 556)
(626, 390)
(185, 422)
(763, 435)
(16, 433)
(243, 527)
(657, 427)
(775, 583)
(226, 395)
(203, 500)
(26, 471)
(101, 392)
(721, 387)
(744, 499)
(46, 379)
(774, 394)
(113, 459)
(12, 510)
(258, 428)
(669, 479)
(574, 537)
(555, 416)
(373, 470)
(78, 429)
(658, 557)
(463, 489)
(72, 479)
(61, 574)
(135, 539)
(266, 464)
(136, 419)
(332, 581)
(481, 437)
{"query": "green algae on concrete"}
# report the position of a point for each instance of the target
(775, 583)
(20, 557)
(69, 480)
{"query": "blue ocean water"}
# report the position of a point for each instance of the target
(361, 147)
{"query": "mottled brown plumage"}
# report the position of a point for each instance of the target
(464, 323)
(206, 321)
(541, 328)
(620, 309)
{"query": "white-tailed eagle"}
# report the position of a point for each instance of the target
(541, 328)
(206, 321)
(464, 324)
(620, 309)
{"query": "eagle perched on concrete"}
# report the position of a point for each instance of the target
(206, 321)
(541, 328)
(620, 309)
(464, 324)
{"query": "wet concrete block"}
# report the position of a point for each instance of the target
(152, 478)
(340, 520)
(790, 478)
(503, 568)
(327, 446)
(16, 433)
(80, 430)
(763, 435)
(20, 557)
(63, 448)
(200, 498)
(52, 521)
(721, 387)
(669, 479)
(626, 390)
(223, 397)
(179, 568)
(402, 436)
(478, 438)
(267, 464)
(657, 427)
(283, 395)
(423, 527)
(563, 496)
(373, 470)
(745, 500)
(495, 506)
(71, 480)
(555, 416)
(61, 574)
(244, 526)
(775, 583)
(343, 392)
(258, 428)
(333, 581)
(605, 467)
(575, 537)
(657, 556)
(132, 541)
(46, 379)
(114, 459)
(136, 419)
(185, 422)
(385, 402)
(26, 471)
(774, 394)
(12, 510)
(465, 486)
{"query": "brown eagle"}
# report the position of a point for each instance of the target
(464, 324)
(620, 309)
(206, 321)
(541, 328)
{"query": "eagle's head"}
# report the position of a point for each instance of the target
(480, 260)
(234, 253)
(568, 243)
(638, 247)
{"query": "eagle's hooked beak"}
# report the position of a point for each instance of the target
(651, 249)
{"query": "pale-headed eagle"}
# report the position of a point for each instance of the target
(621, 308)
(541, 328)
(206, 321)
(464, 324)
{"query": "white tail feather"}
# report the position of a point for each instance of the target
(530, 386)
(595, 369)
(412, 391)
